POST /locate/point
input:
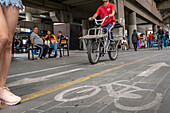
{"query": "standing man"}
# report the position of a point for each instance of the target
(135, 39)
(151, 40)
(161, 35)
(107, 9)
(38, 42)
(166, 39)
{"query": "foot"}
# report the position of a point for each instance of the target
(57, 56)
(7, 97)
(39, 58)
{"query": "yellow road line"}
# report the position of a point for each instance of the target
(55, 88)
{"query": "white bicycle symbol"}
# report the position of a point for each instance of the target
(127, 92)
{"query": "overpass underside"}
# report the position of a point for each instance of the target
(132, 14)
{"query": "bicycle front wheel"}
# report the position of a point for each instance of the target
(93, 51)
(113, 51)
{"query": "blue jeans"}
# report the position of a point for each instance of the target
(151, 44)
(165, 43)
(110, 27)
(55, 46)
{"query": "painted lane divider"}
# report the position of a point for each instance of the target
(151, 70)
(40, 79)
(32, 72)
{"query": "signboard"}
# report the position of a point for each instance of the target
(147, 29)
(26, 30)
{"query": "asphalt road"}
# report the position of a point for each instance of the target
(137, 82)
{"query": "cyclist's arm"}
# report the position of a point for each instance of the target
(113, 13)
(94, 16)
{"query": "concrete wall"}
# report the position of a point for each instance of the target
(71, 31)
(30, 25)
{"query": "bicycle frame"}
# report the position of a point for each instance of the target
(104, 41)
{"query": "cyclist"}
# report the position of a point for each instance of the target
(107, 9)
(161, 35)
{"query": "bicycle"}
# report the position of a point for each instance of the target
(128, 92)
(100, 38)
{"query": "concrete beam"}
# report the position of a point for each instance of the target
(143, 24)
(44, 4)
(149, 7)
(164, 5)
(167, 21)
(141, 12)
(166, 16)
(84, 2)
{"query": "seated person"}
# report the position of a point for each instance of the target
(124, 43)
(38, 43)
(53, 42)
(60, 37)
(19, 45)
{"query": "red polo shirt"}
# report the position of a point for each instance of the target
(104, 11)
(151, 37)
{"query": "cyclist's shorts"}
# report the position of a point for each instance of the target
(17, 3)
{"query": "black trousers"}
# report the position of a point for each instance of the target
(44, 50)
(135, 46)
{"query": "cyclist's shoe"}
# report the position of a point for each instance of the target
(7, 97)
(112, 42)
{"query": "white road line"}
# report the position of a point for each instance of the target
(151, 70)
(41, 78)
(38, 71)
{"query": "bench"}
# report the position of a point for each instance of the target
(62, 47)
(31, 49)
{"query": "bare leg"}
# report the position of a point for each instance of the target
(11, 15)
(3, 43)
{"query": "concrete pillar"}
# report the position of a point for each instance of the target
(132, 26)
(85, 27)
(28, 16)
(70, 17)
(155, 28)
(61, 16)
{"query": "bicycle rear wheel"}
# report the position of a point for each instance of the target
(113, 51)
(93, 51)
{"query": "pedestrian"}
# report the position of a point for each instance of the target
(135, 39)
(151, 40)
(9, 12)
(161, 34)
(166, 39)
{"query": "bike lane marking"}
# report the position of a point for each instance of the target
(32, 72)
(159, 99)
(58, 105)
(159, 105)
(55, 88)
(41, 78)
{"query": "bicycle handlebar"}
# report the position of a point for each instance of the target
(102, 20)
